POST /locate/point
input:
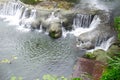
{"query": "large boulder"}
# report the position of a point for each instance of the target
(55, 30)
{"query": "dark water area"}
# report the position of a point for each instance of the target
(37, 54)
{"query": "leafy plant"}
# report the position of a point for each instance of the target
(75, 79)
(89, 55)
(117, 25)
(31, 1)
(66, 0)
(49, 77)
(16, 78)
(52, 77)
(113, 70)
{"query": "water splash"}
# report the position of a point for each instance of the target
(16, 14)
(81, 19)
(11, 12)
(52, 18)
(104, 45)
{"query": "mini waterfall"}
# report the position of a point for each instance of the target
(15, 13)
(82, 20)
(33, 14)
(52, 18)
(83, 23)
(25, 14)
(10, 8)
(12, 12)
(95, 36)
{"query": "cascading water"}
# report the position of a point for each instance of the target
(52, 18)
(16, 13)
(12, 12)
(94, 36)
(83, 21)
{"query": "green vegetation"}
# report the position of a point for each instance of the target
(117, 25)
(52, 77)
(5, 60)
(31, 1)
(90, 55)
(64, 4)
(113, 70)
(47, 77)
(74, 1)
(37, 1)
(16, 78)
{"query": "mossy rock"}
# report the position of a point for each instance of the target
(114, 50)
(54, 34)
(102, 55)
(32, 2)
(89, 55)
(55, 30)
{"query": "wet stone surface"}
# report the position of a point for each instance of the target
(88, 69)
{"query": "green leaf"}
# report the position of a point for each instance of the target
(49, 77)
(13, 78)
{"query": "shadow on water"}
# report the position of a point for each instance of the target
(37, 54)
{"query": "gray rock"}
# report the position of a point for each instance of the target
(67, 21)
(35, 24)
(55, 30)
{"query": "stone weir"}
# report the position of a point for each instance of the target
(92, 27)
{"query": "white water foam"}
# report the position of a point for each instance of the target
(52, 18)
(11, 12)
(14, 12)
(79, 30)
(104, 45)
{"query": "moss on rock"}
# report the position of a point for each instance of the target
(55, 30)
(104, 56)
(31, 1)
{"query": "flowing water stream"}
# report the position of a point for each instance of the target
(37, 54)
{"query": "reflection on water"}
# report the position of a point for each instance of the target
(37, 54)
